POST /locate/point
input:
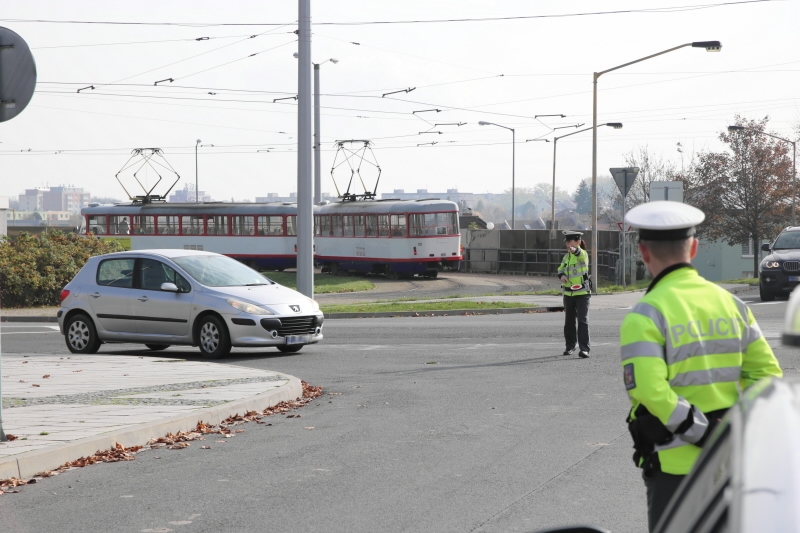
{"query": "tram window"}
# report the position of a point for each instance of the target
(242, 225)
(372, 225)
(192, 225)
(167, 224)
(449, 221)
(327, 229)
(358, 225)
(336, 222)
(347, 226)
(217, 225)
(317, 225)
(398, 225)
(119, 225)
(383, 225)
(270, 225)
(291, 225)
(97, 224)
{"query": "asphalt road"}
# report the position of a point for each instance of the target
(427, 424)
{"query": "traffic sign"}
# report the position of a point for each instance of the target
(624, 177)
(619, 224)
(17, 74)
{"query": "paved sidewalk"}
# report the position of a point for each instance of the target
(62, 408)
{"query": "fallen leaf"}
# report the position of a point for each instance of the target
(24, 362)
(77, 370)
(309, 427)
(46, 376)
(35, 385)
(11, 437)
(23, 381)
(205, 447)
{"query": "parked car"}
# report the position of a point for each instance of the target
(183, 297)
(779, 272)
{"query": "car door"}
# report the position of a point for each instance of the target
(160, 313)
(112, 298)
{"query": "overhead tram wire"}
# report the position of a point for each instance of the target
(187, 39)
(653, 10)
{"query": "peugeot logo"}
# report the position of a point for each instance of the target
(295, 308)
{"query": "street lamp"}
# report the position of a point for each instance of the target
(317, 136)
(710, 46)
(196, 191)
(794, 160)
(615, 125)
(513, 143)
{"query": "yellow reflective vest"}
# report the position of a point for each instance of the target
(689, 342)
(576, 267)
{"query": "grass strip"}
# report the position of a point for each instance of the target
(323, 283)
(450, 305)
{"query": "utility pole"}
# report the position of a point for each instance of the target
(305, 198)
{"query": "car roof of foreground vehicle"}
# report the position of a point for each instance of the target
(170, 253)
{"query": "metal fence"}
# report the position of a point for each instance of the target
(532, 262)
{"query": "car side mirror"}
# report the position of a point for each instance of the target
(765, 247)
(170, 287)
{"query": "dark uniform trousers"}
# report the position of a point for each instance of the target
(660, 489)
(576, 309)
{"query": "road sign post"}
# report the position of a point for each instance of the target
(624, 178)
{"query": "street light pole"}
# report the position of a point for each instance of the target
(196, 191)
(513, 164)
(710, 46)
(615, 125)
(317, 135)
(794, 161)
(305, 183)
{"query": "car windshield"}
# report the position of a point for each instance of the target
(220, 271)
(788, 240)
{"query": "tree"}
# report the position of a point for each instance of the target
(652, 167)
(583, 198)
(745, 192)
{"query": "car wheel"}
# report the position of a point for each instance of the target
(214, 339)
(158, 347)
(293, 348)
(80, 334)
(765, 296)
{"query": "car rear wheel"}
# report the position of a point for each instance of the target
(292, 348)
(214, 339)
(81, 335)
(157, 347)
(765, 295)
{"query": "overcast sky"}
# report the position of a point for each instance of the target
(540, 62)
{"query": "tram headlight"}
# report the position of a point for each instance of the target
(248, 308)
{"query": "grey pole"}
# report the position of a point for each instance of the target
(622, 249)
(553, 194)
(794, 179)
(513, 168)
(196, 183)
(317, 139)
(305, 194)
(2, 433)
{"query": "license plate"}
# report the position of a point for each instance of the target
(296, 339)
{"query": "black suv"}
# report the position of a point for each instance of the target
(779, 272)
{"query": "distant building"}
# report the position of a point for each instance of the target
(422, 194)
(275, 197)
(61, 198)
(186, 195)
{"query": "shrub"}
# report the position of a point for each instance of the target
(34, 269)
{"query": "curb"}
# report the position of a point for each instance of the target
(26, 465)
(452, 312)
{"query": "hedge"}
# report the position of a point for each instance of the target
(34, 268)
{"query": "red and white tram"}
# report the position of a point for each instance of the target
(260, 235)
(398, 238)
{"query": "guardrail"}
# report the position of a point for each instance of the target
(532, 262)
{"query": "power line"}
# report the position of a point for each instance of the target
(190, 39)
(654, 10)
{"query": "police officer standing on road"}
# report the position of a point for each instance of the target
(574, 275)
(688, 348)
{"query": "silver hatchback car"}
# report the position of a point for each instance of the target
(183, 297)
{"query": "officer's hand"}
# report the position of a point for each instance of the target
(563, 279)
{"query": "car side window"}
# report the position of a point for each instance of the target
(701, 504)
(153, 273)
(116, 273)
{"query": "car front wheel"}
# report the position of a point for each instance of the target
(765, 295)
(81, 335)
(214, 339)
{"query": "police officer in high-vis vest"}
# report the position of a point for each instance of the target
(574, 275)
(688, 348)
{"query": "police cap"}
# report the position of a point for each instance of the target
(664, 220)
(571, 235)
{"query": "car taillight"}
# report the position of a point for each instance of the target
(64, 295)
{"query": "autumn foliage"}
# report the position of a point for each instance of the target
(34, 268)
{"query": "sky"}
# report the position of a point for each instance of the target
(499, 61)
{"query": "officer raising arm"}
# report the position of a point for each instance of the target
(688, 348)
(574, 275)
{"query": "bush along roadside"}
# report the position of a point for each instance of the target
(34, 268)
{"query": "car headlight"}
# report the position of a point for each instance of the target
(248, 308)
(314, 305)
(770, 264)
